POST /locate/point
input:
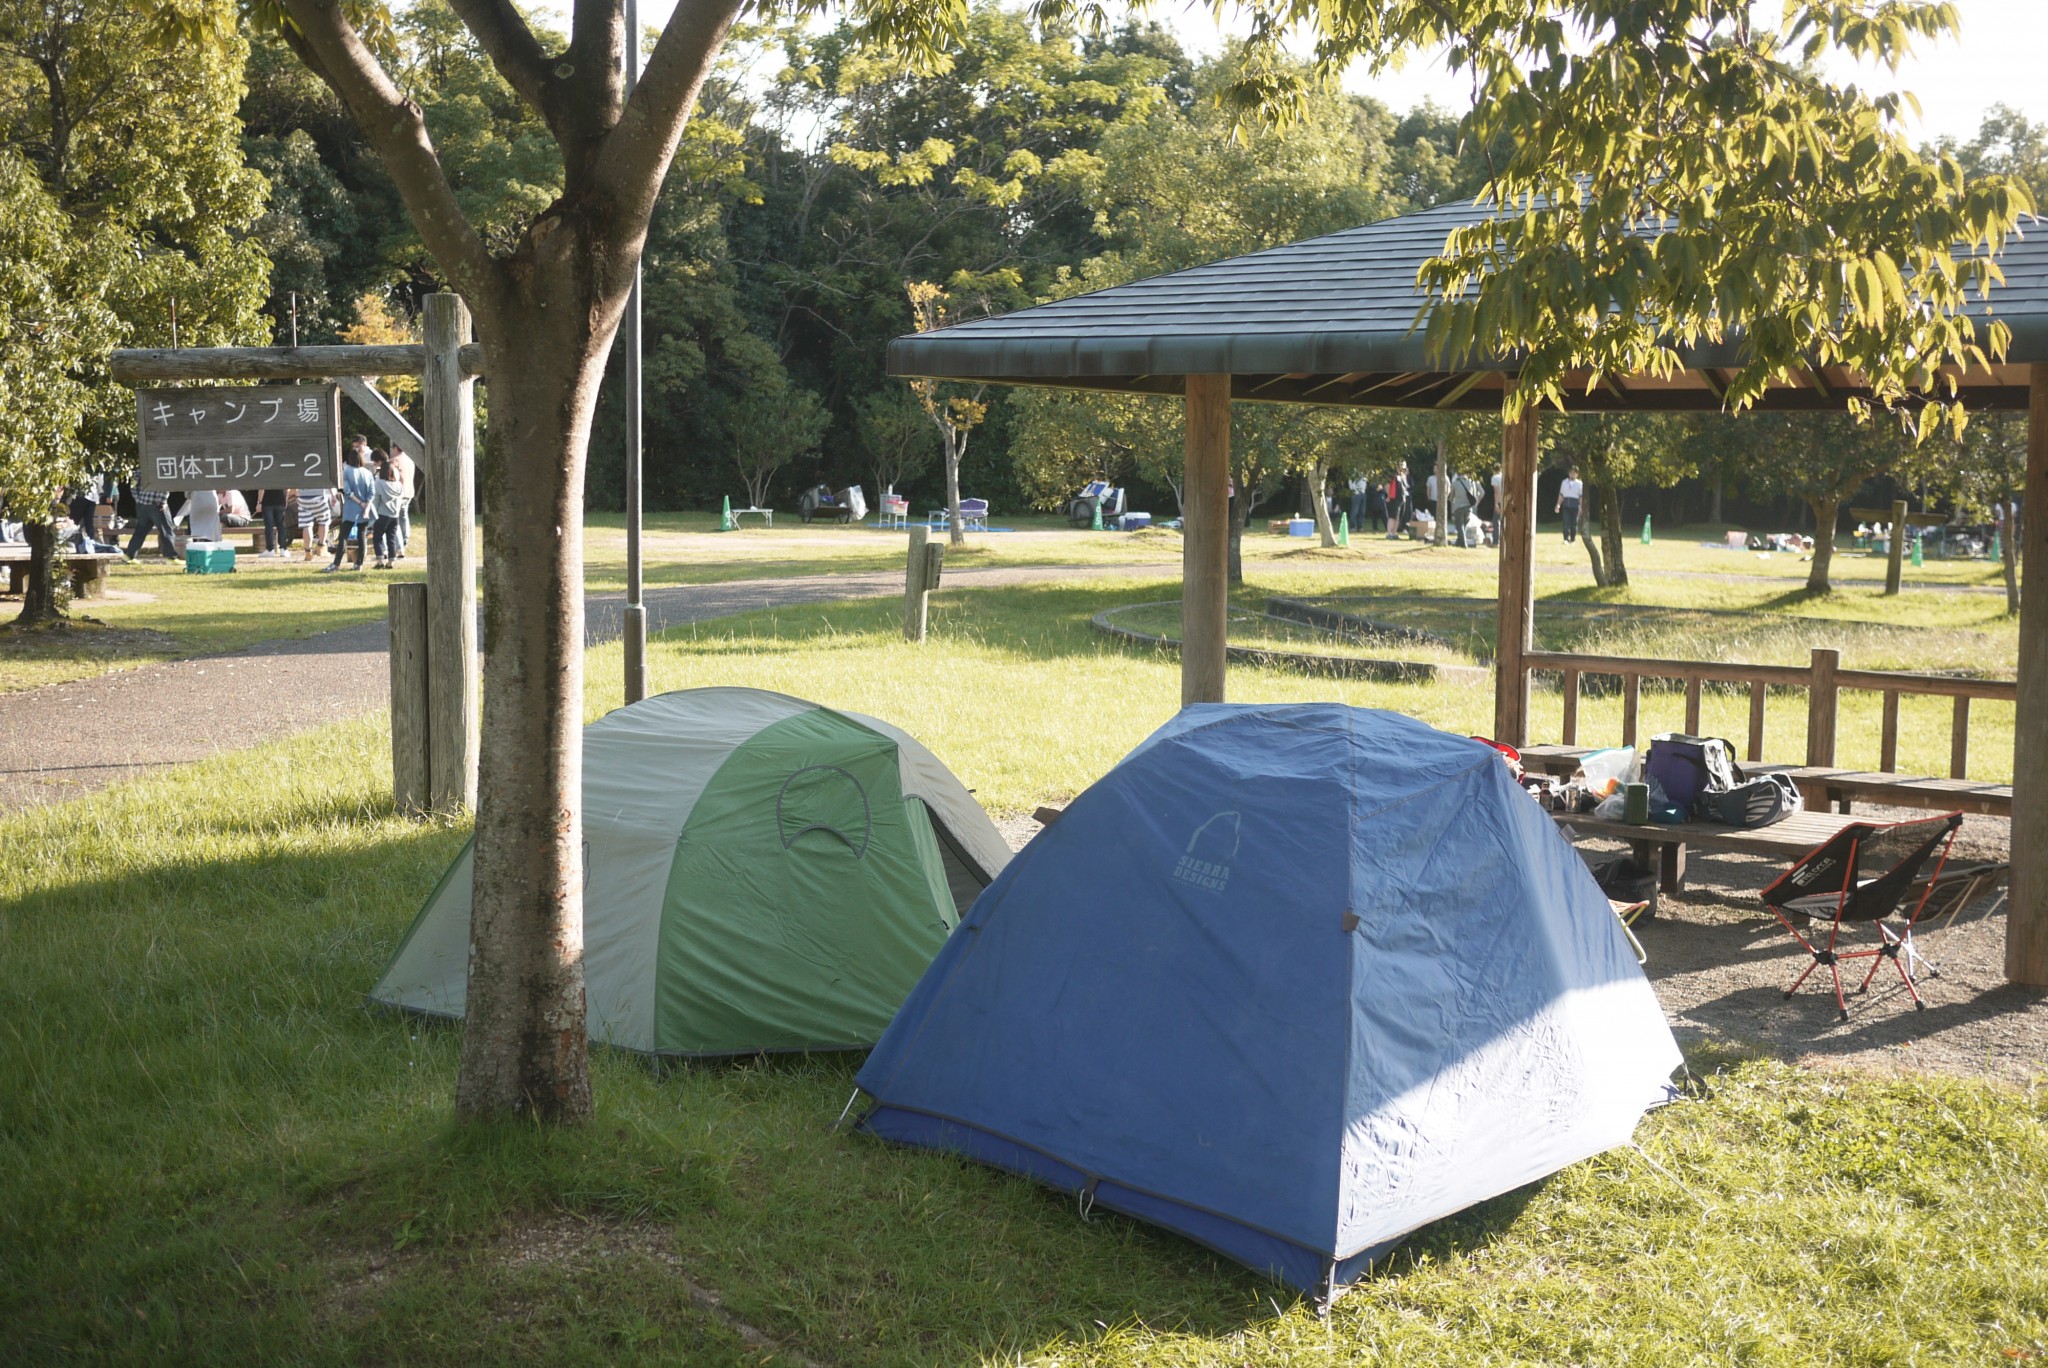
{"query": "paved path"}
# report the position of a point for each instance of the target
(69, 739)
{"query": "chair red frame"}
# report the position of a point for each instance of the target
(1831, 880)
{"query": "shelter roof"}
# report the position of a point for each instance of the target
(1331, 320)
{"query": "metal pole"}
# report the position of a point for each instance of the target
(635, 624)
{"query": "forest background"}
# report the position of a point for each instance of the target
(822, 185)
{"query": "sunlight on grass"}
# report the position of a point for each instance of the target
(211, 1151)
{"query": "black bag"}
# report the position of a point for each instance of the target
(1760, 802)
(1624, 879)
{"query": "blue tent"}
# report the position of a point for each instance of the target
(1292, 981)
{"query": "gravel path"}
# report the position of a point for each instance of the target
(69, 739)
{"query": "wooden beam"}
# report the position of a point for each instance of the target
(1515, 621)
(1398, 378)
(1461, 389)
(1716, 381)
(151, 365)
(1819, 382)
(450, 489)
(2026, 925)
(1205, 546)
(1614, 387)
(1348, 378)
(1271, 381)
(389, 420)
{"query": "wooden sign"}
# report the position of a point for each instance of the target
(245, 437)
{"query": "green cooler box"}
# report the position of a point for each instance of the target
(209, 558)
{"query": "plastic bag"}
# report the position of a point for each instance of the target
(1612, 808)
(1605, 771)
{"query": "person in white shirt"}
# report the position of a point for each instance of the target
(202, 513)
(404, 472)
(1568, 496)
(234, 509)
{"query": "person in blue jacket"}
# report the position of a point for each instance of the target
(358, 487)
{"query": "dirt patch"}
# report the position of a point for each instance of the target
(1721, 963)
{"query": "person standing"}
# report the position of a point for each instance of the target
(385, 501)
(358, 488)
(405, 472)
(314, 508)
(202, 513)
(1361, 489)
(151, 515)
(1569, 495)
(277, 533)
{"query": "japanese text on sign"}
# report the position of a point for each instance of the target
(252, 437)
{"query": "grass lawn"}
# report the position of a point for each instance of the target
(157, 613)
(210, 1152)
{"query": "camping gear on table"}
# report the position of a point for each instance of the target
(1341, 979)
(760, 873)
(1766, 799)
(1688, 766)
(1862, 874)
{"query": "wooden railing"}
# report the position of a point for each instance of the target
(1824, 680)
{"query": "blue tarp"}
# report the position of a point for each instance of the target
(1290, 980)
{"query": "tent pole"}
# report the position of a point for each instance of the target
(1516, 623)
(1205, 547)
(2026, 926)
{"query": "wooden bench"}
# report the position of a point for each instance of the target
(88, 569)
(1828, 788)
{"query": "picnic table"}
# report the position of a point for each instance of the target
(1827, 786)
(1786, 840)
(88, 569)
(767, 515)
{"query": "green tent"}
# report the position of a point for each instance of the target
(760, 874)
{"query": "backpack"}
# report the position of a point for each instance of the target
(1688, 767)
(1625, 879)
(1766, 799)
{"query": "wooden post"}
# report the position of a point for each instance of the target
(1692, 705)
(1756, 721)
(2026, 926)
(1820, 706)
(1959, 740)
(409, 718)
(1569, 733)
(920, 577)
(1515, 620)
(452, 736)
(1893, 569)
(1888, 741)
(1205, 545)
(1631, 707)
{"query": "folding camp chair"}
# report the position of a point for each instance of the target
(1863, 873)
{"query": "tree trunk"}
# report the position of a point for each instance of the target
(42, 597)
(1824, 514)
(1587, 500)
(1443, 491)
(1319, 475)
(956, 447)
(1611, 539)
(525, 1051)
(1714, 508)
(2012, 556)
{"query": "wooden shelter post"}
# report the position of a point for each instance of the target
(2026, 927)
(449, 402)
(1205, 546)
(1516, 623)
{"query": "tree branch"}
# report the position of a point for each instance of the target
(637, 151)
(335, 52)
(597, 48)
(513, 50)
